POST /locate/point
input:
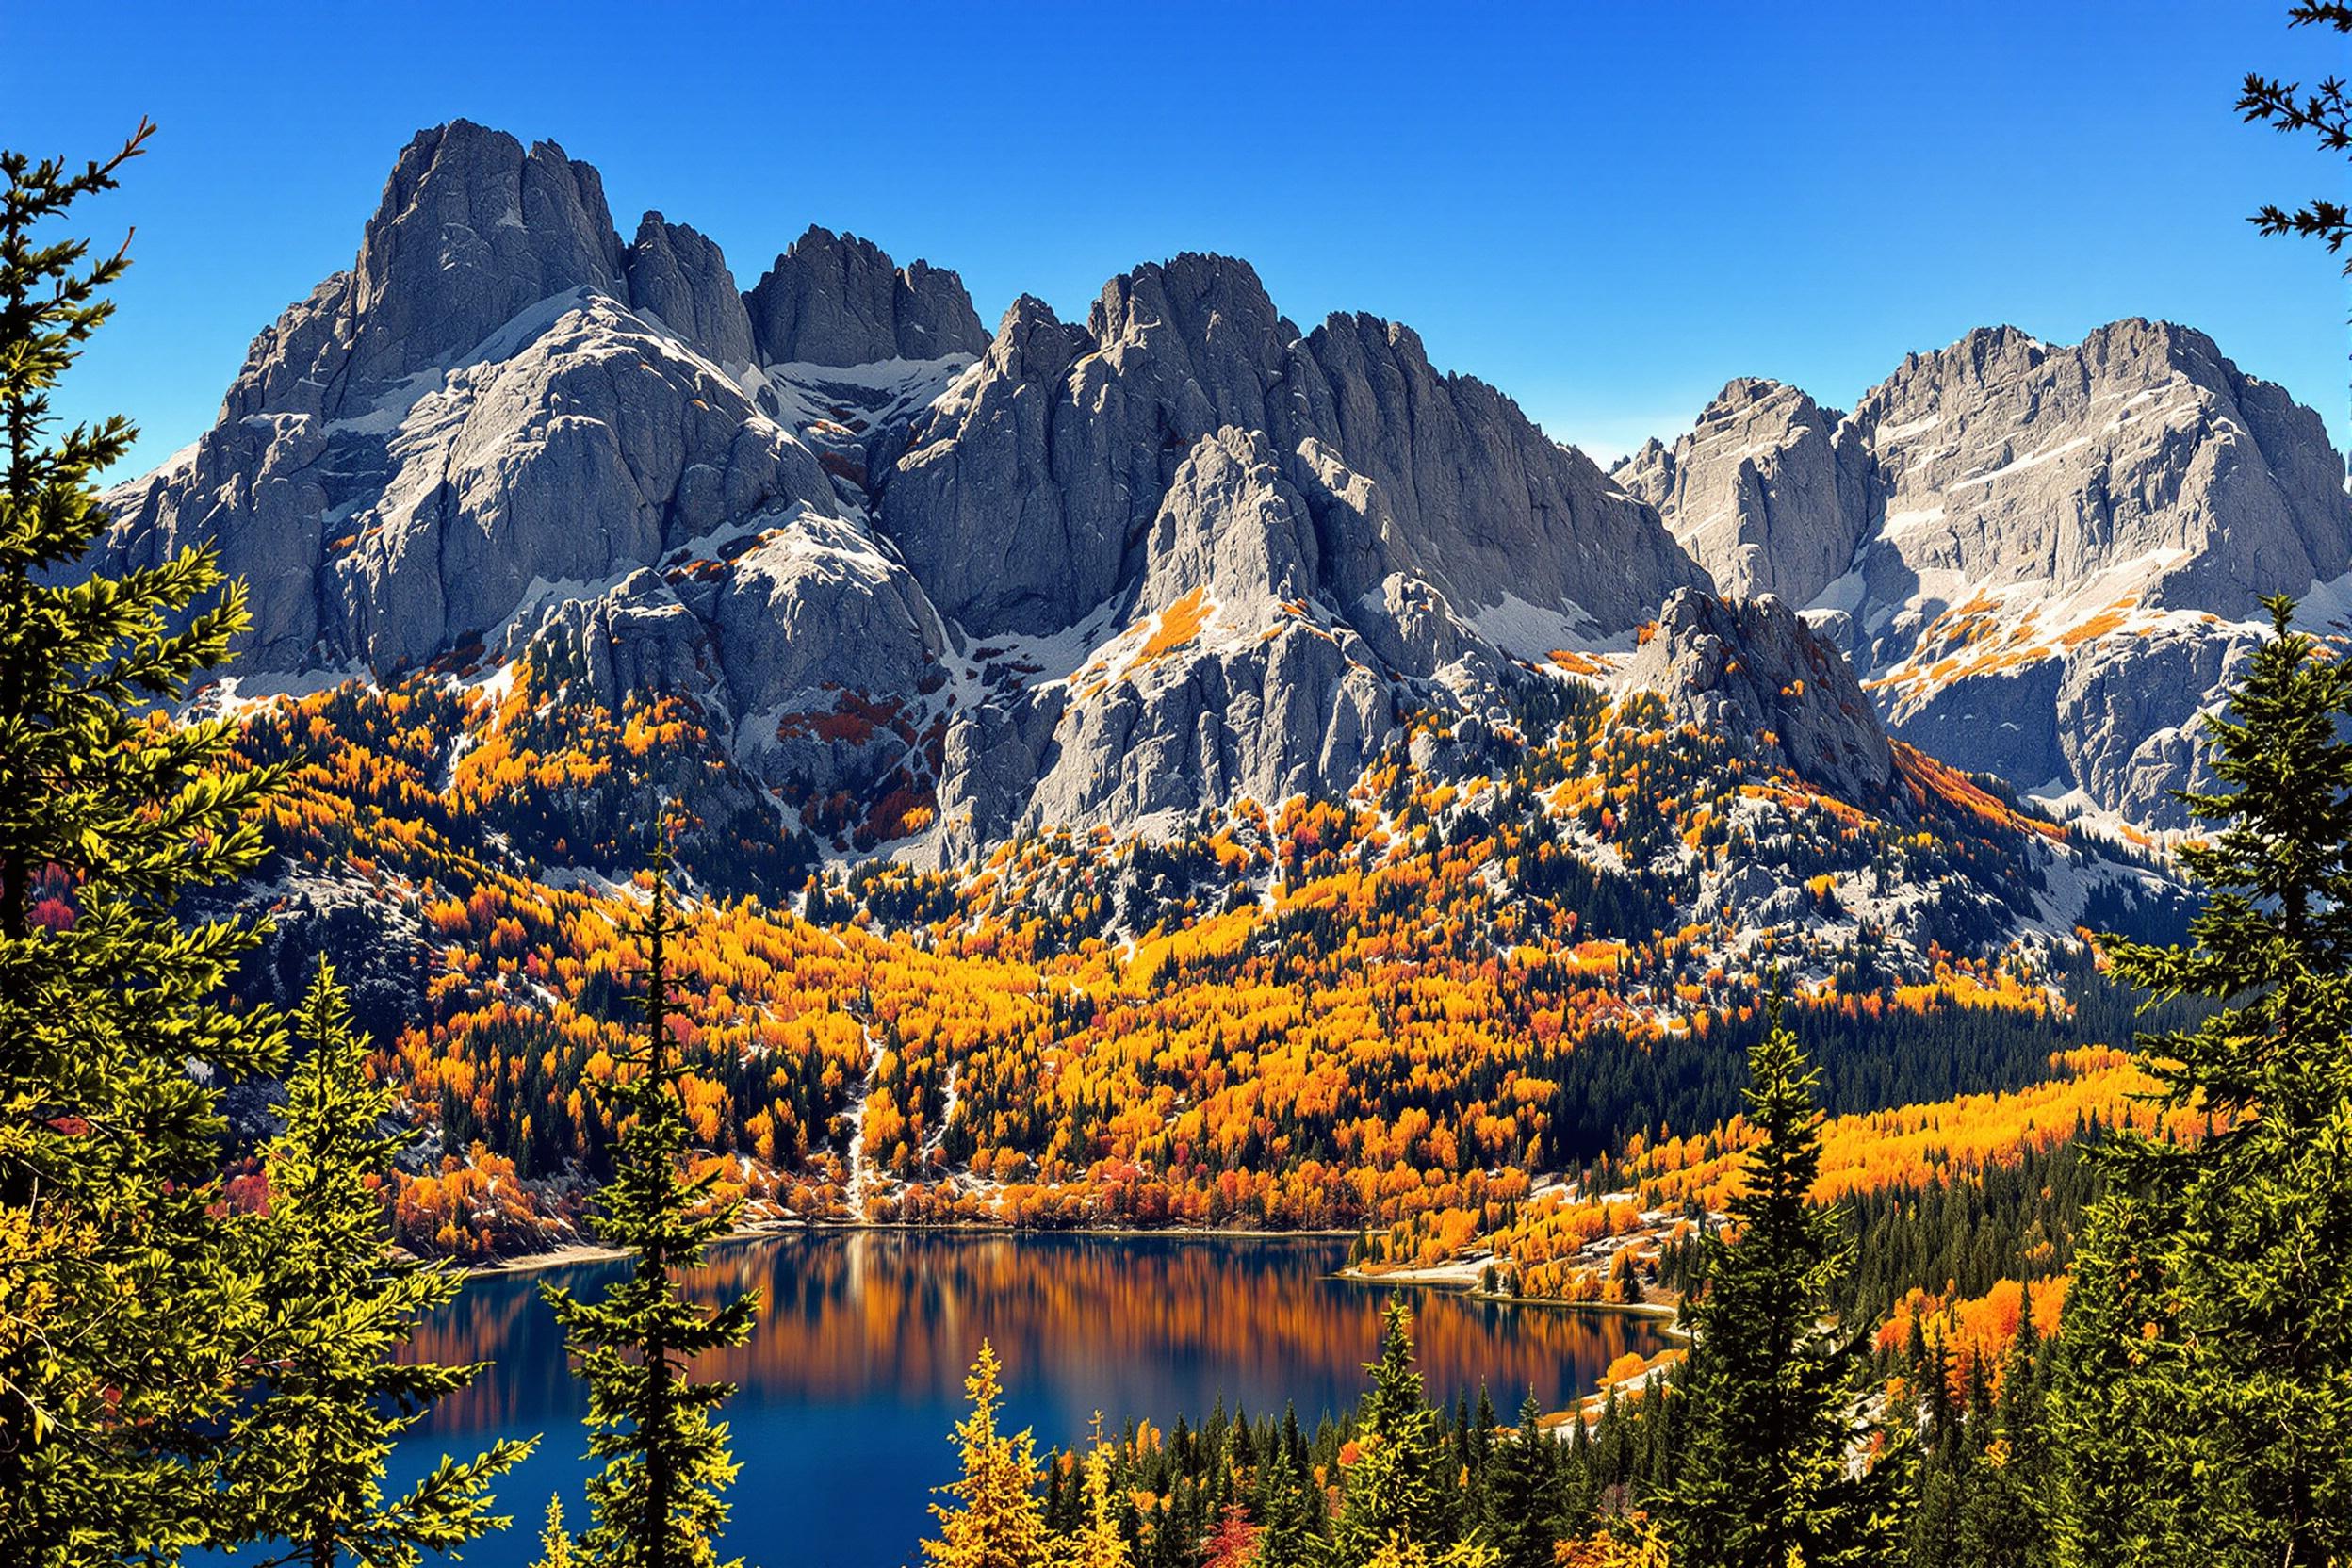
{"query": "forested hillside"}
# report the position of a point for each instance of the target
(1504, 954)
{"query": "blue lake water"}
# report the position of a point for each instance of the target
(854, 1374)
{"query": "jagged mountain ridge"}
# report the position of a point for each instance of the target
(875, 565)
(2046, 561)
(1063, 576)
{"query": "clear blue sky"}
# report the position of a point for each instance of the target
(1606, 209)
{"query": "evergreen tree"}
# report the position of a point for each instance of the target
(1290, 1512)
(305, 1464)
(555, 1541)
(996, 1519)
(2006, 1521)
(1524, 1493)
(1764, 1475)
(125, 1326)
(2324, 109)
(2204, 1403)
(656, 1503)
(1394, 1503)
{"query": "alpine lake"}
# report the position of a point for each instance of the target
(855, 1374)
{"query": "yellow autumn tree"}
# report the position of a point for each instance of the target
(1629, 1541)
(1096, 1543)
(996, 1519)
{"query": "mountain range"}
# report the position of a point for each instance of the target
(1091, 739)
(1184, 553)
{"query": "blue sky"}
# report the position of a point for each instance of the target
(1608, 210)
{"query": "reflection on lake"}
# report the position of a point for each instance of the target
(855, 1374)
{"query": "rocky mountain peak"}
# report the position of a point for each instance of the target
(2112, 467)
(1192, 298)
(473, 227)
(1751, 671)
(1182, 553)
(678, 275)
(1764, 491)
(2044, 558)
(834, 299)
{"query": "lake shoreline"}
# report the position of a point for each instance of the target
(1462, 1279)
(591, 1251)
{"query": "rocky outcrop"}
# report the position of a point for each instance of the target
(2053, 554)
(589, 447)
(1230, 526)
(1224, 685)
(997, 512)
(678, 276)
(1499, 515)
(1753, 671)
(2137, 462)
(834, 299)
(1767, 491)
(819, 606)
(635, 636)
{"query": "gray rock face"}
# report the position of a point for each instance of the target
(2137, 461)
(1767, 492)
(1230, 527)
(834, 299)
(1004, 530)
(993, 755)
(636, 636)
(2054, 551)
(1494, 512)
(817, 605)
(1224, 685)
(472, 229)
(680, 277)
(1753, 671)
(386, 538)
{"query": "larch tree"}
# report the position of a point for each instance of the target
(1098, 1542)
(125, 1326)
(995, 1518)
(656, 1503)
(305, 1460)
(1769, 1474)
(2203, 1402)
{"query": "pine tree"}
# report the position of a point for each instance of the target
(656, 1503)
(2005, 1524)
(1764, 1476)
(1524, 1493)
(2324, 110)
(2204, 1400)
(1395, 1504)
(996, 1519)
(126, 1328)
(305, 1463)
(1290, 1509)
